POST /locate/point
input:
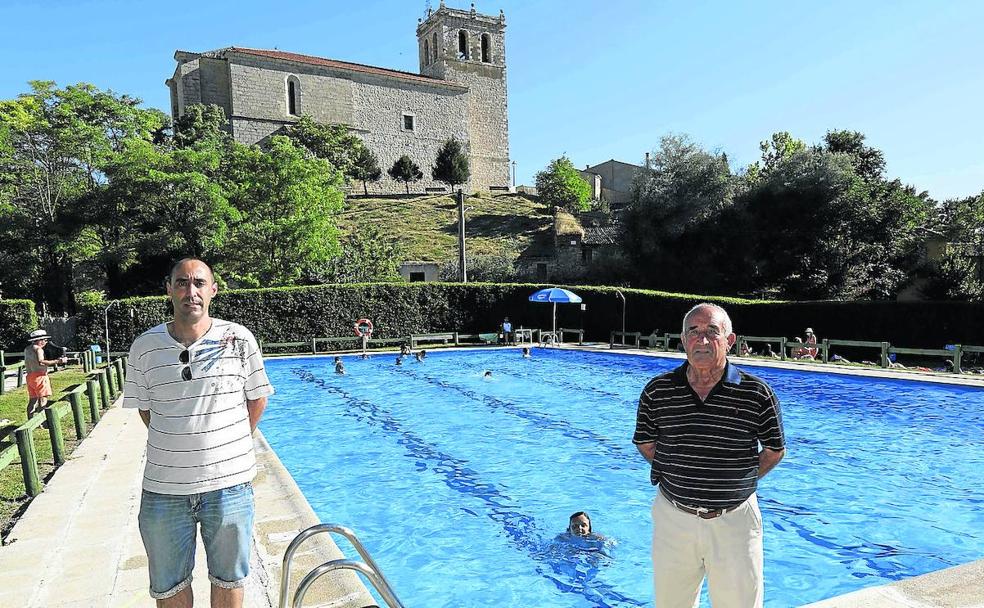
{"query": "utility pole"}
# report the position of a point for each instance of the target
(461, 237)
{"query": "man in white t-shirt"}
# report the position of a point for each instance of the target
(200, 386)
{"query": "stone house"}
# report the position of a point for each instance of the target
(460, 92)
(568, 249)
(612, 180)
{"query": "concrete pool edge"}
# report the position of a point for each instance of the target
(282, 512)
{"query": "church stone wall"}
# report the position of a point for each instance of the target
(467, 100)
(439, 114)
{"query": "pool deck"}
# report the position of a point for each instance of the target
(77, 545)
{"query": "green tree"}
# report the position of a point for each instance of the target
(334, 143)
(288, 202)
(406, 171)
(868, 162)
(814, 228)
(560, 185)
(200, 123)
(451, 164)
(777, 149)
(365, 167)
(668, 234)
(55, 144)
(959, 274)
(367, 256)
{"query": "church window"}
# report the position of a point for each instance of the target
(462, 44)
(434, 46)
(427, 56)
(486, 48)
(293, 96)
(408, 122)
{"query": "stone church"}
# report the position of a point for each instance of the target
(460, 92)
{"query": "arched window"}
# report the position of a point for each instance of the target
(462, 44)
(486, 48)
(427, 55)
(293, 96)
(434, 46)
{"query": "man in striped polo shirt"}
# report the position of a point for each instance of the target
(700, 427)
(200, 386)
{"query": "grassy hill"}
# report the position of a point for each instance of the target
(426, 227)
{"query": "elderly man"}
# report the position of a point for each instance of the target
(200, 386)
(700, 427)
(36, 366)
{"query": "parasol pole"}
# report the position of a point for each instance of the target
(555, 322)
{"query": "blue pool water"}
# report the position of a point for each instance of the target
(459, 484)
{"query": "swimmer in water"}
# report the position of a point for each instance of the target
(487, 374)
(526, 352)
(579, 524)
(339, 366)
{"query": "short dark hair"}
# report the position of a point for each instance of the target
(170, 274)
(571, 519)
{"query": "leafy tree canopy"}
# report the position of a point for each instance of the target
(562, 186)
(288, 203)
(334, 143)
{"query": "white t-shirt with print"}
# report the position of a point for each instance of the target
(199, 436)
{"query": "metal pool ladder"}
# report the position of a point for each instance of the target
(367, 567)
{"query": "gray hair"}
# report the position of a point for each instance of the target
(708, 306)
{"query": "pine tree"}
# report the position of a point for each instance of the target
(451, 165)
(365, 167)
(406, 171)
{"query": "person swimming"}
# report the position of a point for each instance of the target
(487, 374)
(579, 524)
(339, 366)
(421, 355)
(526, 352)
(399, 359)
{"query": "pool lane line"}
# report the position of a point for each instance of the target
(542, 421)
(520, 528)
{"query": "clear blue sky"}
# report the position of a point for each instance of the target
(591, 79)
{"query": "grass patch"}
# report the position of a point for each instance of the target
(13, 405)
(426, 227)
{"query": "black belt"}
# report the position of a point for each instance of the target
(701, 512)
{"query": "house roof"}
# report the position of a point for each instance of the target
(600, 235)
(328, 63)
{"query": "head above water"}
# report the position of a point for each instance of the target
(579, 524)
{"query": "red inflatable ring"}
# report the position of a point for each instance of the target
(363, 327)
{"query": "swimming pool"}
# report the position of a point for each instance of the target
(459, 484)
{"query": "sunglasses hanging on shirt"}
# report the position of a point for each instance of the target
(185, 357)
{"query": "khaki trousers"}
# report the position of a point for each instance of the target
(726, 549)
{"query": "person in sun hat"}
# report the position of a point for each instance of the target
(710, 432)
(36, 367)
(811, 338)
(201, 388)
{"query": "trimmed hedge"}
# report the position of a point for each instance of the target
(399, 309)
(17, 319)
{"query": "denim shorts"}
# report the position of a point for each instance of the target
(168, 528)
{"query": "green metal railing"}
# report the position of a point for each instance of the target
(102, 386)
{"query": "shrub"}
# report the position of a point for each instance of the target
(399, 309)
(17, 319)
